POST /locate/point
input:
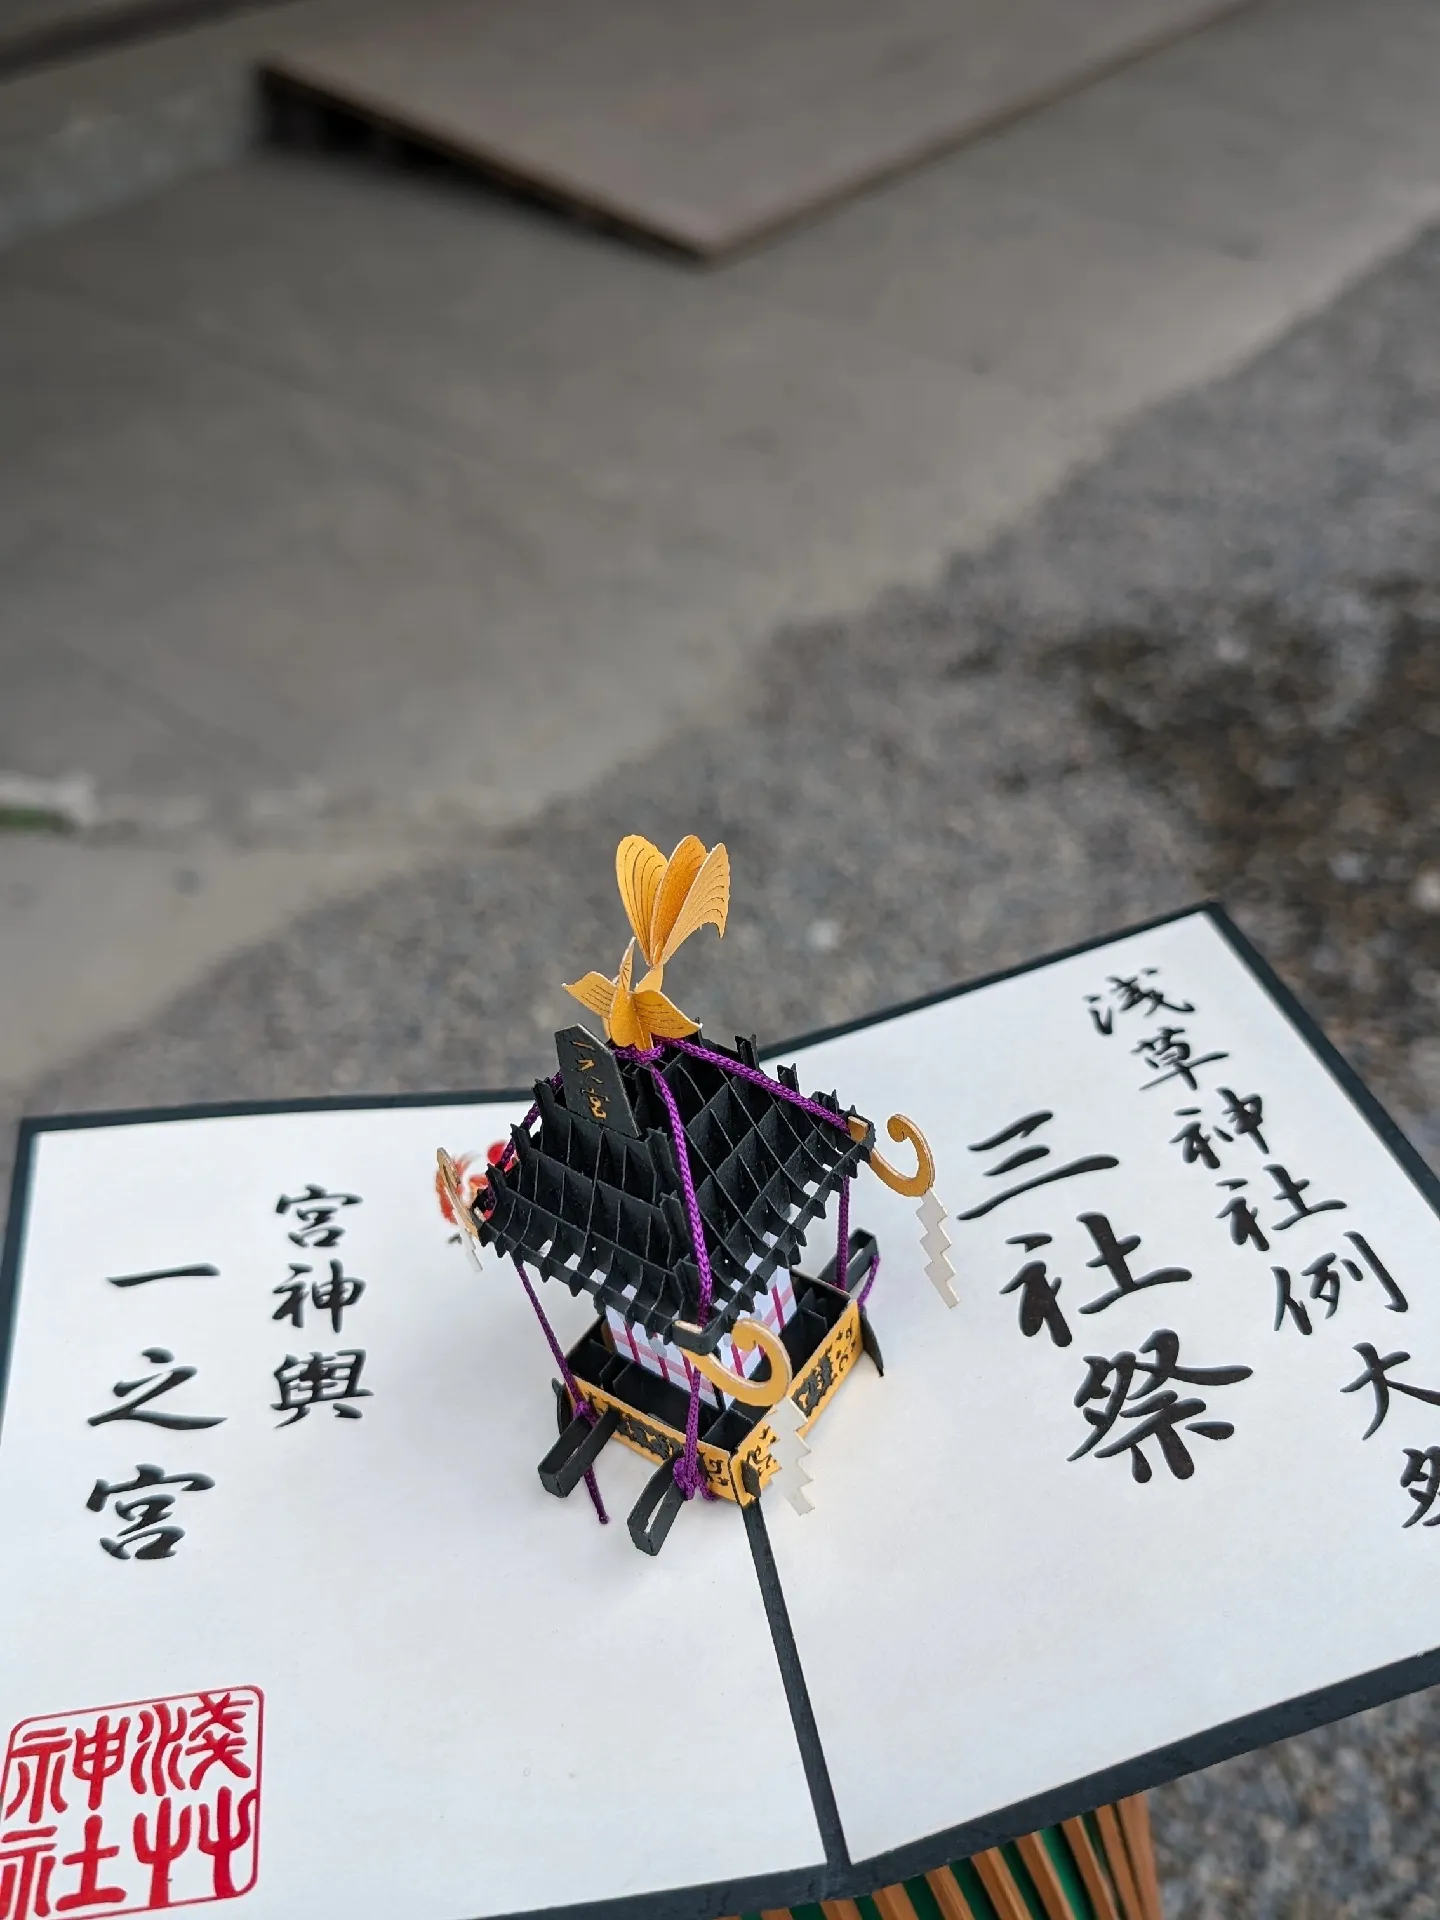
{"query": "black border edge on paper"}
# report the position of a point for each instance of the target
(838, 1878)
(1154, 1769)
(1391, 1134)
(10, 1256)
(797, 1694)
(245, 1109)
(1198, 909)
(31, 1126)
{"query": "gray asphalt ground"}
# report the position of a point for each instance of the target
(325, 472)
(1208, 664)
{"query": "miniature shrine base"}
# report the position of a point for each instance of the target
(735, 1445)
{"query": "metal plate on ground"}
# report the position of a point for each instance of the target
(707, 126)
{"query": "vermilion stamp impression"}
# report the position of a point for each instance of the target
(131, 1808)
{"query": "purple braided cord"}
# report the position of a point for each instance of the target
(687, 1469)
(842, 1257)
(864, 1293)
(842, 1239)
(572, 1386)
(740, 1071)
(813, 1107)
(689, 1474)
(692, 1204)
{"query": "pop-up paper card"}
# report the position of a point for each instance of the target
(675, 1182)
(1152, 1475)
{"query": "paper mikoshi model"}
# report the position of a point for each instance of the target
(674, 1181)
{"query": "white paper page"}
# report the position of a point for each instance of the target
(476, 1699)
(981, 1619)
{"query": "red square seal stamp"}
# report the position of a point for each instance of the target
(125, 1809)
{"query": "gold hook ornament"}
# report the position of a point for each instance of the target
(900, 1128)
(747, 1334)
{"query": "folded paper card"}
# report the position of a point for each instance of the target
(288, 1617)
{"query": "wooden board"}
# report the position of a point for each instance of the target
(707, 126)
(37, 33)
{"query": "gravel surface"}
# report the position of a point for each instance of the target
(1208, 664)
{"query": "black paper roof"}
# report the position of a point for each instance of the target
(602, 1208)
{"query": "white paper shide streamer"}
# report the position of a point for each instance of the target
(791, 1453)
(939, 1270)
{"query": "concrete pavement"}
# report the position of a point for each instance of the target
(345, 511)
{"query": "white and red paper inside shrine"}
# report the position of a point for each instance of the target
(287, 1618)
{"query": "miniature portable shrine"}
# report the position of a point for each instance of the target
(674, 1181)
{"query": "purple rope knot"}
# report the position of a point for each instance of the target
(690, 1476)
